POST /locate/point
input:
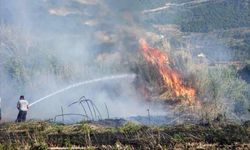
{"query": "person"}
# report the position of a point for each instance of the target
(22, 106)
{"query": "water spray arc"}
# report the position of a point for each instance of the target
(84, 83)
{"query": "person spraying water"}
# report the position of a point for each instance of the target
(22, 106)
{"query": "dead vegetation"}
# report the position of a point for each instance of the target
(43, 135)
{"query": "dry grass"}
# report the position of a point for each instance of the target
(39, 134)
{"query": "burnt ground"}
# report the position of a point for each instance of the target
(44, 135)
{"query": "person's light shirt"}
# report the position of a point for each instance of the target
(23, 105)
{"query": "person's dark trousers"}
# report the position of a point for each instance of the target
(21, 116)
(18, 119)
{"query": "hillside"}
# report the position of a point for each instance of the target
(178, 67)
(203, 15)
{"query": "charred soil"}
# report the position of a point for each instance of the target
(40, 134)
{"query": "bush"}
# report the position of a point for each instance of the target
(39, 146)
(130, 127)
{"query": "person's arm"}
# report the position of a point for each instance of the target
(27, 105)
(18, 105)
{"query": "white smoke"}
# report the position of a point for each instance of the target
(47, 45)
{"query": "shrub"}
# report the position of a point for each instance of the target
(130, 127)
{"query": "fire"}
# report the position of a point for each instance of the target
(171, 78)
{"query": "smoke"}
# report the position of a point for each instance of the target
(47, 45)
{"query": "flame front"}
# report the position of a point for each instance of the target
(171, 78)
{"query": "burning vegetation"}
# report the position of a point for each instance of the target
(170, 79)
(91, 42)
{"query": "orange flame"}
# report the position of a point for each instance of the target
(171, 78)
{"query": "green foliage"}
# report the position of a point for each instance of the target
(130, 127)
(59, 128)
(210, 16)
(247, 62)
(205, 17)
(222, 91)
(86, 128)
(90, 148)
(7, 147)
(239, 44)
(67, 143)
(178, 137)
(111, 130)
(15, 70)
(39, 146)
